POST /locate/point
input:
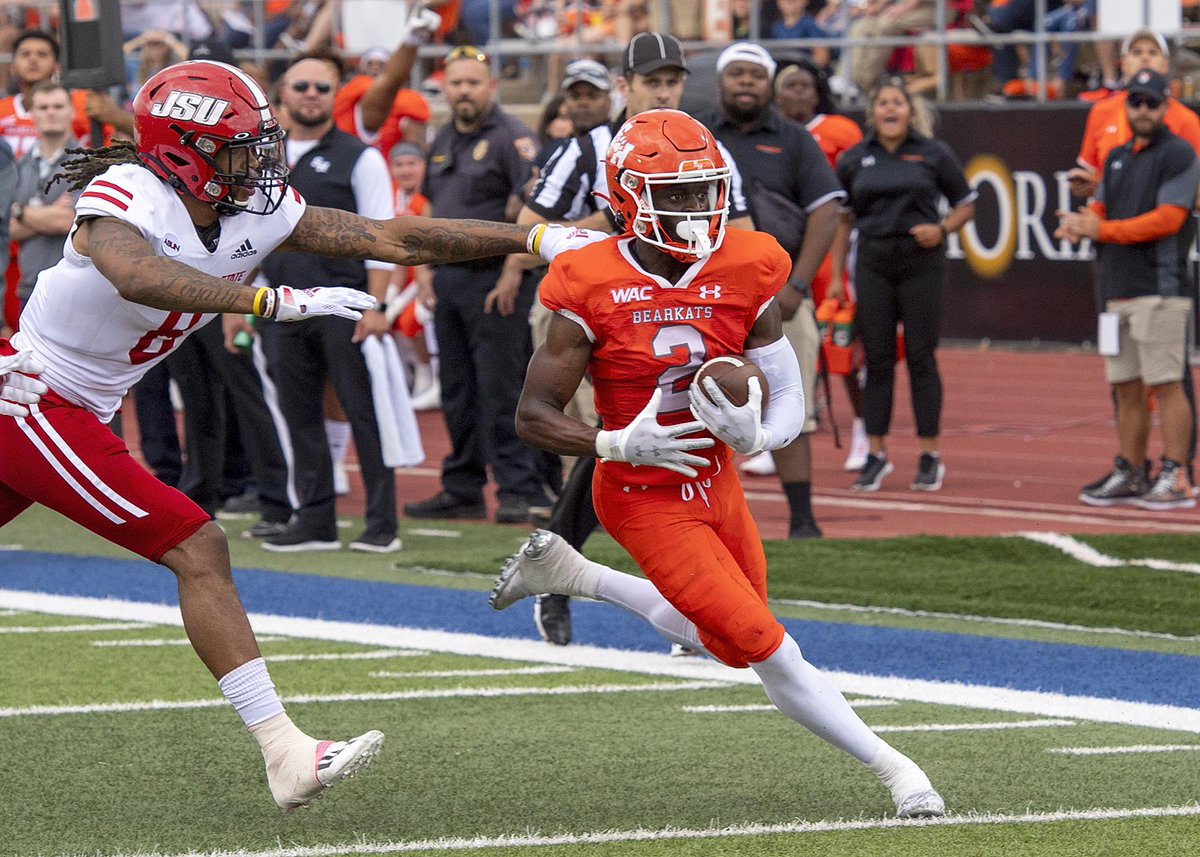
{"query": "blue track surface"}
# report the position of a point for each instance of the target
(1017, 664)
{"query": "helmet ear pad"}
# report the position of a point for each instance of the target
(188, 113)
(667, 147)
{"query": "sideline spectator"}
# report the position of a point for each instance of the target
(796, 22)
(863, 66)
(333, 169)
(1008, 16)
(477, 167)
(41, 216)
(148, 54)
(802, 94)
(1141, 220)
(681, 514)
(794, 196)
(895, 179)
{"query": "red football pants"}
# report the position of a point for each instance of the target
(698, 545)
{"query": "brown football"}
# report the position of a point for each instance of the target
(731, 373)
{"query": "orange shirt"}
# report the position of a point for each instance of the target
(648, 334)
(406, 105)
(834, 134)
(1108, 127)
(16, 123)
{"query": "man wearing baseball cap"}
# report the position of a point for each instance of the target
(1141, 220)
(587, 89)
(794, 195)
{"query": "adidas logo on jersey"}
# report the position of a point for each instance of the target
(244, 250)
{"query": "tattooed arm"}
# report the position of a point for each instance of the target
(127, 260)
(403, 240)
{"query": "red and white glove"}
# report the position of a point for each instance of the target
(288, 304)
(740, 427)
(549, 239)
(18, 388)
(420, 24)
(644, 441)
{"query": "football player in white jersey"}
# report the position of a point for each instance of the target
(167, 232)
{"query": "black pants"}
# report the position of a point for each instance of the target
(300, 357)
(897, 281)
(156, 425)
(482, 362)
(228, 426)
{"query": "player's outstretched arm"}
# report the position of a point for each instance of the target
(425, 240)
(126, 260)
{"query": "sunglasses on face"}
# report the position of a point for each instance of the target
(466, 52)
(1138, 99)
(303, 86)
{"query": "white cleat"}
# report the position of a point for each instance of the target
(925, 803)
(546, 563)
(299, 778)
(762, 464)
(859, 447)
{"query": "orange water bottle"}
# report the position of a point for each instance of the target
(825, 313)
(838, 356)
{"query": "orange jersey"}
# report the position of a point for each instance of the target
(408, 204)
(16, 122)
(834, 134)
(647, 333)
(1108, 127)
(406, 105)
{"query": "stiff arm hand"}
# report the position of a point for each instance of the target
(644, 441)
(739, 426)
(18, 391)
(288, 304)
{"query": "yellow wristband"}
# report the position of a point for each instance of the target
(260, 302)
(534, 242)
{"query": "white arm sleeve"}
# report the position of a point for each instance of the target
(784, 409)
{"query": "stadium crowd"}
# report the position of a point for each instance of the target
(425, 112)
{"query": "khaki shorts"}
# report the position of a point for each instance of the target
(801, 331)
(1153, 340)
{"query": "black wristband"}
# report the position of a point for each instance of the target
(945, 231)
(802, 287)
(380, 307)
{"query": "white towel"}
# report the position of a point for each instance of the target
(398, 432)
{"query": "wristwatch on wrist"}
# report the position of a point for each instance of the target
(18, 211)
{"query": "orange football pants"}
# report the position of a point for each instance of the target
(698, 545)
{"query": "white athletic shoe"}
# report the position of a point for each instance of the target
(299, 777)
(762, 464)
(926, 803)
(859, 447)
(341, 480)
(546, 563)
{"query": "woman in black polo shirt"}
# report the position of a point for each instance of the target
(896, 178)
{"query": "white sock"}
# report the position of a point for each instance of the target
(859, 429)
(337, 432)
(640, 598)
(422, 377)
(251, 692)
(900, 774)
(802, 693)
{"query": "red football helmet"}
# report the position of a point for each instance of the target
(667, 147)
(206, 128)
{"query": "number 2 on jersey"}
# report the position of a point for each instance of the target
(680, 341)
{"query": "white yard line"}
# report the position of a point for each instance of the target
(448, 693)
(1029, 702)
(750, 709)
(382, 655)
(12, 612)
(711, 833)
(475, 673)
(1134, 748)
(163, 641)
(73, 629)
(986, 620)
(1087, 554)
(975, 727)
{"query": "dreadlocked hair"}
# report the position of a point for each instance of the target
(77, 172)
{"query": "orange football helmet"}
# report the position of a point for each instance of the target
(659, 148)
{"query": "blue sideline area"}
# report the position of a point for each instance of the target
(1021, 665)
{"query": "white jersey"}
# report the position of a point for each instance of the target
(94, 343)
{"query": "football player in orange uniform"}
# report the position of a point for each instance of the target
(641, 312)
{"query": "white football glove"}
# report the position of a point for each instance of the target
(644, 441)
(549, 239)
(19, 391)
(740, 427)
(421, 23)
(299, 304)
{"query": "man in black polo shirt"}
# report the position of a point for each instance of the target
(477, 166)
(793, 195)
(1141, 219)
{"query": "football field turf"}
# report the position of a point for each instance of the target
(1054, 700)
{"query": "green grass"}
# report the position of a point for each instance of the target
(476, 768)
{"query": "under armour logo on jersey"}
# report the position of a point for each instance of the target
(868, 161)
(321, 164)
(707, 292)
(244, 249)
